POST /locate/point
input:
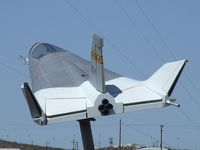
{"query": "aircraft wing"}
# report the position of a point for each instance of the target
(67, 87)
(154, 92)
(131, 95)
(134, 95)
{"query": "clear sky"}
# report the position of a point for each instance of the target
(139, 36)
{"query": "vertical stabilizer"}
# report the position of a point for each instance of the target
(167, 76)
(96, 75)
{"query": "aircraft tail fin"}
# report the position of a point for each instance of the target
(167, 76)
(96, 75)
(36, 112)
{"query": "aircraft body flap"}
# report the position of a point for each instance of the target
(62, 103)
(64, 106)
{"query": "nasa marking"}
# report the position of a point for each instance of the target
(97, 57)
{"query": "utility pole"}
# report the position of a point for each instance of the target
(46, 145)
(53, 142)
(28, 141)
(120, 133)
(99, 140)
(110, 140)
(73, 144)
(76, 145)
(161, 136)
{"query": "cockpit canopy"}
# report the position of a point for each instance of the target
(40, 50)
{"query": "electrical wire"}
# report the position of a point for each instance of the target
(195, 102)
(144, 37)
(123, 55)
(13, 69)
(145, 134)
(161, 39)
(139, 31)
(189, 118)
(127, 59)
(139, 131)
(155, 29)
(157, 32)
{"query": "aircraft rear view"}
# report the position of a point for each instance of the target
(67, 87)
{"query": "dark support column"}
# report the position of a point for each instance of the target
(161, 136)
(86, 133)
(120, 133)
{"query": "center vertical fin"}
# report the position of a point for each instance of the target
(96, 75)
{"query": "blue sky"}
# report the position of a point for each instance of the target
(139, 36)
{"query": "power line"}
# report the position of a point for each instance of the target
(173, 56)
(192, 83)
(149, 125)
(161, 39)
(146, 125)
(155, 29)
(190, 119)
(143, 35)
(196, 103)
(158, 35)
(139, 131)
(127, 59)
(13, 69)
(164, 42)
(166, 45)
(83, 17)
(131, 127)
(144, 134)
(139, 31)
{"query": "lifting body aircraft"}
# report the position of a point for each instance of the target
(66, 87)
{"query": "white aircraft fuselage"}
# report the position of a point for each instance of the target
(67, 87)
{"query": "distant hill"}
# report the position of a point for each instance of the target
(8, 144)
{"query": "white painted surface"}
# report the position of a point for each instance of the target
(125, 94)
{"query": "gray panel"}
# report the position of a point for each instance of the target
(59, 68)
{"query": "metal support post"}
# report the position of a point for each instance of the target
(86, 133)
(161, 136)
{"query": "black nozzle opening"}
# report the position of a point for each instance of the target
(105, 101)
(105, 112)
(101, 108)
(109, 106)
(105, 107)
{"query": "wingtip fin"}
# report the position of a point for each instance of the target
(166, 77)
(36, 112)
